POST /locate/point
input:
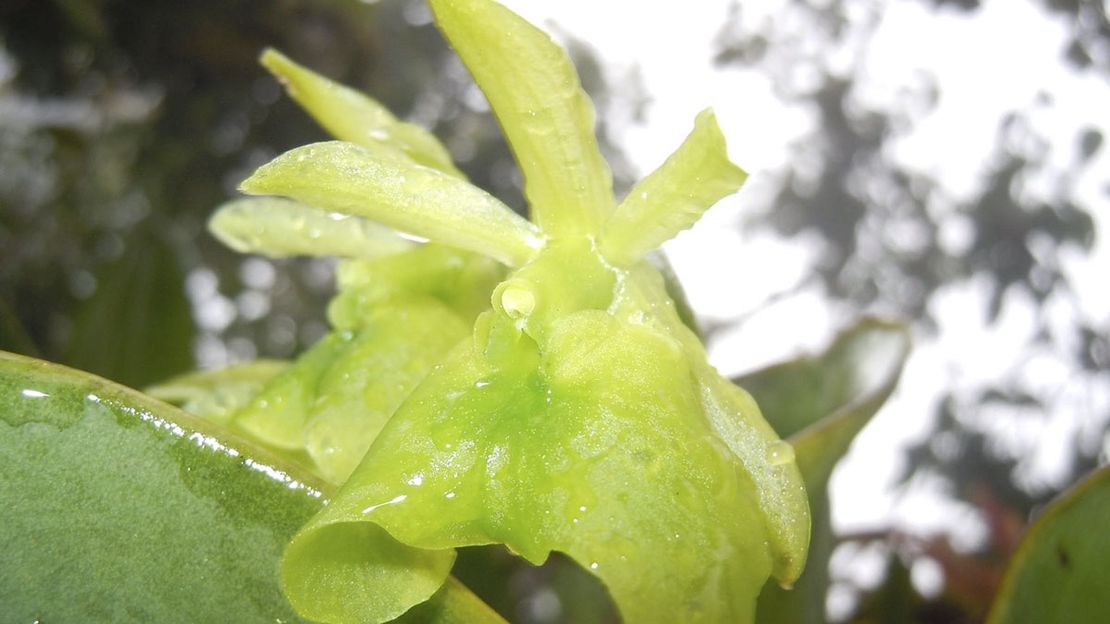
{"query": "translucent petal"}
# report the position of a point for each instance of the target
(351, 116)
(279, 227)
(349, 179)
(533, 89)
(674, 196)
(578, 424)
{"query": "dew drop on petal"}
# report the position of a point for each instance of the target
(779, 453)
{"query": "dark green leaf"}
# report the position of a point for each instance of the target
(1059, 572)
(136, 328)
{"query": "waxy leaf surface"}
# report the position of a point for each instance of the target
(1059, 572)
(117, 507)
(120, 508)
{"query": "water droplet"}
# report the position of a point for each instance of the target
(643, 194)
(779, 453)
(393, 501)
(593, 566)
(582, 508)
(34, 394)
(417, 479)
(517, 301)
(449, 495)
(481, 383)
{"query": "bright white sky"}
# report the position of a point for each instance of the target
(1016, 45)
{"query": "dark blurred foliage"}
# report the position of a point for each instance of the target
(124, 124)
(880, 225)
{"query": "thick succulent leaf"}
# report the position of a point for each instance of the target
(215, 394)
(93, 475)
(279, 228)
(143, 291)
(533, 89)
(117, 507)
(821, 403)
(348, 179)
(1059, 572)
(351, 116)
(589, 436)
(674, 196)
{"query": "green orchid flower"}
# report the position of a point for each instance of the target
(575, 413)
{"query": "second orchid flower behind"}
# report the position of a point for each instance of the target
(579, 414)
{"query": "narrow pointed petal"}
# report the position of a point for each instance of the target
(349, 179)
(278, 228)
(351, 116)
(548, 120)
(674, 196)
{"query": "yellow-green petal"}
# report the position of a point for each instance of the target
(674, 196)
(346, 178)
(278, 228)
(216, 394)
(534, 91)
(352, 116)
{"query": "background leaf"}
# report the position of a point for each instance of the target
(136, 328)
(819, 404)
(1059, 572)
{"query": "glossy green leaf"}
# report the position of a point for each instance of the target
(214, 395)
(674, 196)
(144, 292)
(1059, 572)
(534, 91)
(821, 403)
(349, 179)
(351, 116)
(278, 228)
(118, 508)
